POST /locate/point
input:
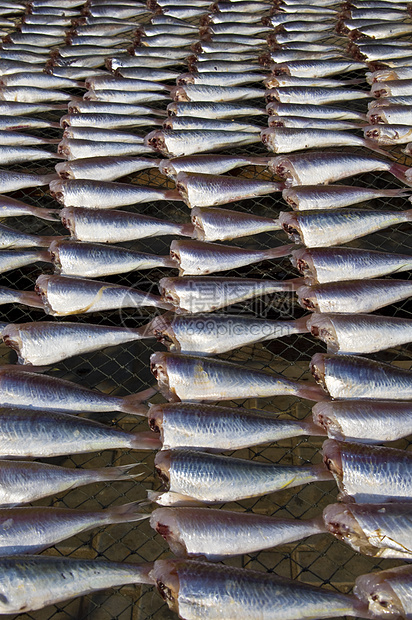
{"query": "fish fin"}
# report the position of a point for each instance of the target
(300, 325)
(311, 392)
(46, 241)
(51, 215)
(128, 512)
(259, 161)
(408, 215)
(296, 282)
(403, 173)
(172, 499)
(168, 262)
(121, 472)
(187, 230)
(146, 441)
(133, 403)
(44, 256)
(313, 429)
(30, 298)
(282, 250)
(173, 194)
(322, 472)
(48, 178)
(371, 145)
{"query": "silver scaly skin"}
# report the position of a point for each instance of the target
(178, 143)
(377, 530)
(203, 591)
(308, 197)
(217, 534)
(351, 376)
(191, 475)
(320, 265)
(191, 378)
(69, 148)
(213, 224)
(314, 95)
(211, 334)
(11, 181)
(387, 593)
(13, 259)
(32, 583)
(178, 123)
(364, 421)
(190, 425)
(369, 474)
(208, 164)
(106, 168)
(107, 120)
(314, 111)
(213, 110)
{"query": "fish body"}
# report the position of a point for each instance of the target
(288, 139)
(364, 421)
(214, 478)
(316, 197)
(387, 593)
(106, 168)
(335, 264)
(11, 238)
(313, 111)
(194, 92)
(33, 583)
(211, 334)
(207, 293)
(360, 333)
(369, 474)
(316, 67)
(105, 194)
(63, 295)
(213, 110)
(302, 122)
(11, 180)
(388, 134)
(391, 114)
(220, 534)
(70, 148)
(110, 226)
(192, 378)
(178, 143)
(203, 590)
(212, 224)
(314, 95)
(208, 164)
(94, 260)
(216, 428)
(331, 227)
(189, 123)
(201, 258)
(105, 121)
(349, 376)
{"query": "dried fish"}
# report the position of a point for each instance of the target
(308, 197)
(387, 593)
(178, 143)
(288, 139)
(208, 164)
(212, 224)
(213, 110)
(313, 111)
(107, 168)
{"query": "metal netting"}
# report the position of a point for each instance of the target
(321, 559)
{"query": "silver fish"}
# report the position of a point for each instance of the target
(191, 475)
(388, 134)
(11, 238)
(11, 180)
(111, 82)
(23, 122)
(377, 530)
(384, 102)
(393, 88)
(208, 190)
(212, 224)
(316, 68)
(213, 110)
(105, 194)
(198, 66)
(29, 390)
(142, 73)
(31, 94)
(214, 78)
(312, 111)
(188, 123)
(107, 168)
(360, 333)
(325, 167)
(16, 138)
(303, 122)
(188, 425)
(39, 80)
(208, 164)
(178, 143)
(45, 342)
(349, 376)
(30, 529)
(314, 95)
(219, 534)
(353, 296)
(115, 61)
(107, 121)
(206, 334)
(69, 148)
(326, 228)
(24, 481)
(386, 75)
(289, 139)
(200, 257)
(387, 593)
(48, 580)
(10, 207)
(191, 378)
(194, 92)
(81, 106)
(27, 298)
(62, 296)
(308, 197)
(94, 260)
(18, 154)
(320, 265)
(29, 433)
(196, 589)
(395, 114)
(207, 293)
(14, 259)
(364, 421)
(125, 96)
(100, 134)
(116, 226)
(369, 474)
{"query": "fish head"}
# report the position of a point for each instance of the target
(283, 167)
(168, 292)
(156, 140)
(73, 107)
(41, 287)
(162, 328)
(290, 224)
(68, 133)
(279, 68)
(340, 522)
(181, 185)
(196, 217)
(166, 578)
(378, 594)
(168, 123)
(172, 109)
(165, 522)
(178, 93)
(12, 337)
(323, 416)
(307, 298)
(158, 367)
(185, 78)
(272, 95)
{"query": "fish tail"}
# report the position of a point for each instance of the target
(296, 283)
(46, 241)
(51, 215)
(187, 230)
(45, 179)
(299, 326)
(44, 256)
(133, 403)
(168, 262)
(260, 161)
(121, 472)
(30, 298)
(408, 215)
(146, 441)
(172, 194)
(403, 173)
(51, 140)
(313, 429)
(371, 145)
(282, 250)
(127, 512)
(321, 472)
(311, 392)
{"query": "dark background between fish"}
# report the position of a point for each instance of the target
(125, 369)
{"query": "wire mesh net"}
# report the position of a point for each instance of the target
(320, 559)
